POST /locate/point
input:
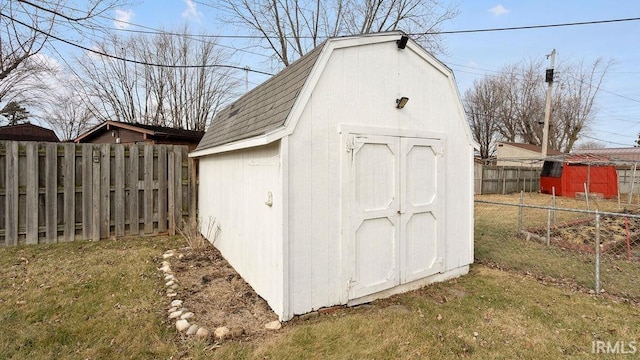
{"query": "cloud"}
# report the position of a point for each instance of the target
(499, 10)
(191, 13)
(122, 18)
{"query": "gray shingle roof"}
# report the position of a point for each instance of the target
(263, 109)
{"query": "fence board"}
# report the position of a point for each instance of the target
(178, 186)
(105, 190)
(87, 192)
(148, 189)
(162, 189)
(95, 194)
(51, 193)
(134, 212)
(171, 193)
(119, 199)
(11, 195)
(69, 182)
(32, 193)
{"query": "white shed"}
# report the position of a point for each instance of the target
(328, 191)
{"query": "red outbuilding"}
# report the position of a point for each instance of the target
(570, 175)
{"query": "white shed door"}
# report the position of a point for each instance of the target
(392, 194)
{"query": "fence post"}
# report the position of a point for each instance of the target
(520, 212)
(549, 226)
(553, 192)
(586, 195)
(597, 252)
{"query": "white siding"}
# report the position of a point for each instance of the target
(234, 187)
(358, 88)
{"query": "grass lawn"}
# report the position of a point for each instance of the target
(105, 300)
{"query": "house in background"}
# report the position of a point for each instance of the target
(346, 177)
(27, 132)
(630, 155)
(115, 132)
(516, 154)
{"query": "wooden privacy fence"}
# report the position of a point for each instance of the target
(51, 192)
(490, 179)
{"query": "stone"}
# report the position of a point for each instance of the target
(165, 269)
(166, 263)
(169, 277)
(221, 332)
(182, 325)
(309, 316)
(186, 316)
(174, 286)
(192, 329)
(202, 333)
(274, 325)
(166, 256)
(171, 294)
(176, 303)
(175, 314)
(172, 310)
(439, 317)
(169, 283)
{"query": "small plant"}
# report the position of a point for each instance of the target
(192, 232)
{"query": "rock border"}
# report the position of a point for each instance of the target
(184, 319)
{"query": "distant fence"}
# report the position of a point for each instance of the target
(491, 179)
(53, 192)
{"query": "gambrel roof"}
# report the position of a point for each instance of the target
(270, 111)
(263, 109)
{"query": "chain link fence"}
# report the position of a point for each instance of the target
(588, 244)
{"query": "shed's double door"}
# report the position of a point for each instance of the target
(394, 228)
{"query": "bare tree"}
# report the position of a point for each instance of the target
(518, 112)
(27, 27)
(574, 101)
(590, 144)
(66, 112)
(482, 105)
(171, 92)
(290, 28)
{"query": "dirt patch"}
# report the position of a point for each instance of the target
(615, 233)
(217, 295)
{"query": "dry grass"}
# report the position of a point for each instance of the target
(487, 314)
(497, 244)
(105, 300)
(84, 300)
(198, 236)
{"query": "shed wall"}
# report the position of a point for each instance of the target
(237, 185)
(358, 89)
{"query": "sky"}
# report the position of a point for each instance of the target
(475, 55)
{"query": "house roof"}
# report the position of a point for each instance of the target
(533, 148)
(150, 130)
(614, 154)
(27, 132)
(256, 112)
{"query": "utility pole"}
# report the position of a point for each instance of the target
(547, 110)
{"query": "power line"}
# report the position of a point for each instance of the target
(604, 141)
(529, 27)
(133, 61)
